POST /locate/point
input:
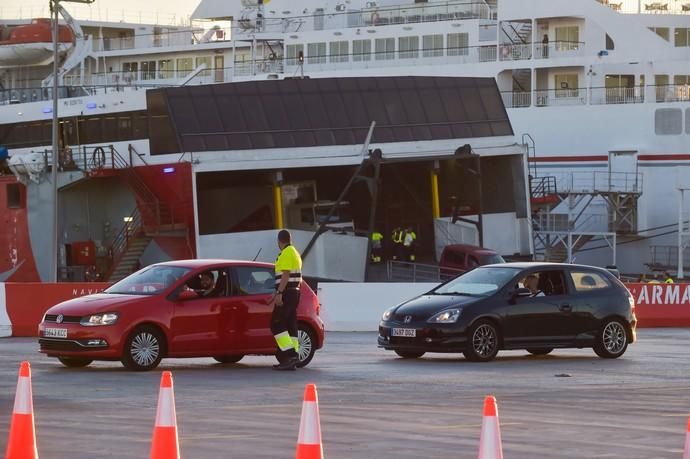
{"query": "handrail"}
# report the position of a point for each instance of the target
(133, 225)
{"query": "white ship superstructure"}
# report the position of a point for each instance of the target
(598, 91)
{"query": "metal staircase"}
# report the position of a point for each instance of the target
(572, 209)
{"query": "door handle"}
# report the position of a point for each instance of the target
(565, 308)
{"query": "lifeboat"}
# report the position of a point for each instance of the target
(32, 44)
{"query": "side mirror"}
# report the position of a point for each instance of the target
(522, 293)
(186, 295)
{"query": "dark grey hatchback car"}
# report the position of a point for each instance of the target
(534, 306)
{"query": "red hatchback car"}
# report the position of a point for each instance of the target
(188, 308)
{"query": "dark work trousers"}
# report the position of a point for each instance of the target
(284, 319)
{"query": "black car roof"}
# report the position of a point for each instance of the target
(537, 264)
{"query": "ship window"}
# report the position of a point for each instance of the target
(663, 32)
(148, 70)
(361, 50)
(384, 48)
(292, 53)
(567, 38)
(680, 80)
(458, 44)
(316, 53)
(184, 66)
(668, 121)
(566, 85)
(338, 51)
(130, 71)
(610, 45)
(166, 69)
(408, 47)
(140, 126)
(208, 60)
(432, 45)
(687, 121)
(682, 37)
(124, 128)
(14, 196)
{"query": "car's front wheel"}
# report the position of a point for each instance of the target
(228, 358)
(307, 345)
(73, 362)
(143, 349)
(410, 354)
(538, 351)
(612, 340)
(483, 343)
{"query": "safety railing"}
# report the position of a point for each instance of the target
(558, 49)
(407, 271)
(542, 187)
(560, 97)
(669, 93)
(609, 96)
(599, 182)
(573, 222)
(132, 227)
(515, 52)
(516, 99)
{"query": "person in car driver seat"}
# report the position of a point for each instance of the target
(532, 283)
(207, 285)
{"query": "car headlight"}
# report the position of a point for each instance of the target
(107, 318)
(446, 317)
(387, 315)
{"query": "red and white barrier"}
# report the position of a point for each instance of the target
(5, 322)
(22, 304)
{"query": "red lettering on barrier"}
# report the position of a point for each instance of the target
(27, 302)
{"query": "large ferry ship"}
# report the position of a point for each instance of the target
(198, 140)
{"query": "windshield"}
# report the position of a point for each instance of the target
(149, 281)
(478, 282)
(491, 259)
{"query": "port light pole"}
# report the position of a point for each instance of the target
(55, 14)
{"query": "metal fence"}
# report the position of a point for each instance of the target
(405, 271)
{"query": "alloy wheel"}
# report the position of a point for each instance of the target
(305, 345)
(145, 349)
(614, 337)
(484, 340)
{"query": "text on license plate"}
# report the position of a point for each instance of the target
(55, 333)
(405, 332)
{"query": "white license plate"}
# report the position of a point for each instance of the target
(55, 333)
(404, 332)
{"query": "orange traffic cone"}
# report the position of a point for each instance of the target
(686, 451)
(22, 441)
(490, 440)
(309, 443)
(165, 444)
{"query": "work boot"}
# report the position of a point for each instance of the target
(288, 365)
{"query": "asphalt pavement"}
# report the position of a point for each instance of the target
(570, 404)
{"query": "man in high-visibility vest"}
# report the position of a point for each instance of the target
(667, 278)
(409, 242)
(376, 247)
(397, 238)
(288, 279)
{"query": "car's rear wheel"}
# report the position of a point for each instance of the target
(307, 345)
(410, 354)
(73, 362)
(228, 358)
(483, 343)
(143, 349)
(538, 351)
(612, 340)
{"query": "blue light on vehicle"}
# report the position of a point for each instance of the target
(47, 110)
(168, 170)
(91, 105)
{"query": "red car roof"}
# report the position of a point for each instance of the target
(211, 262)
